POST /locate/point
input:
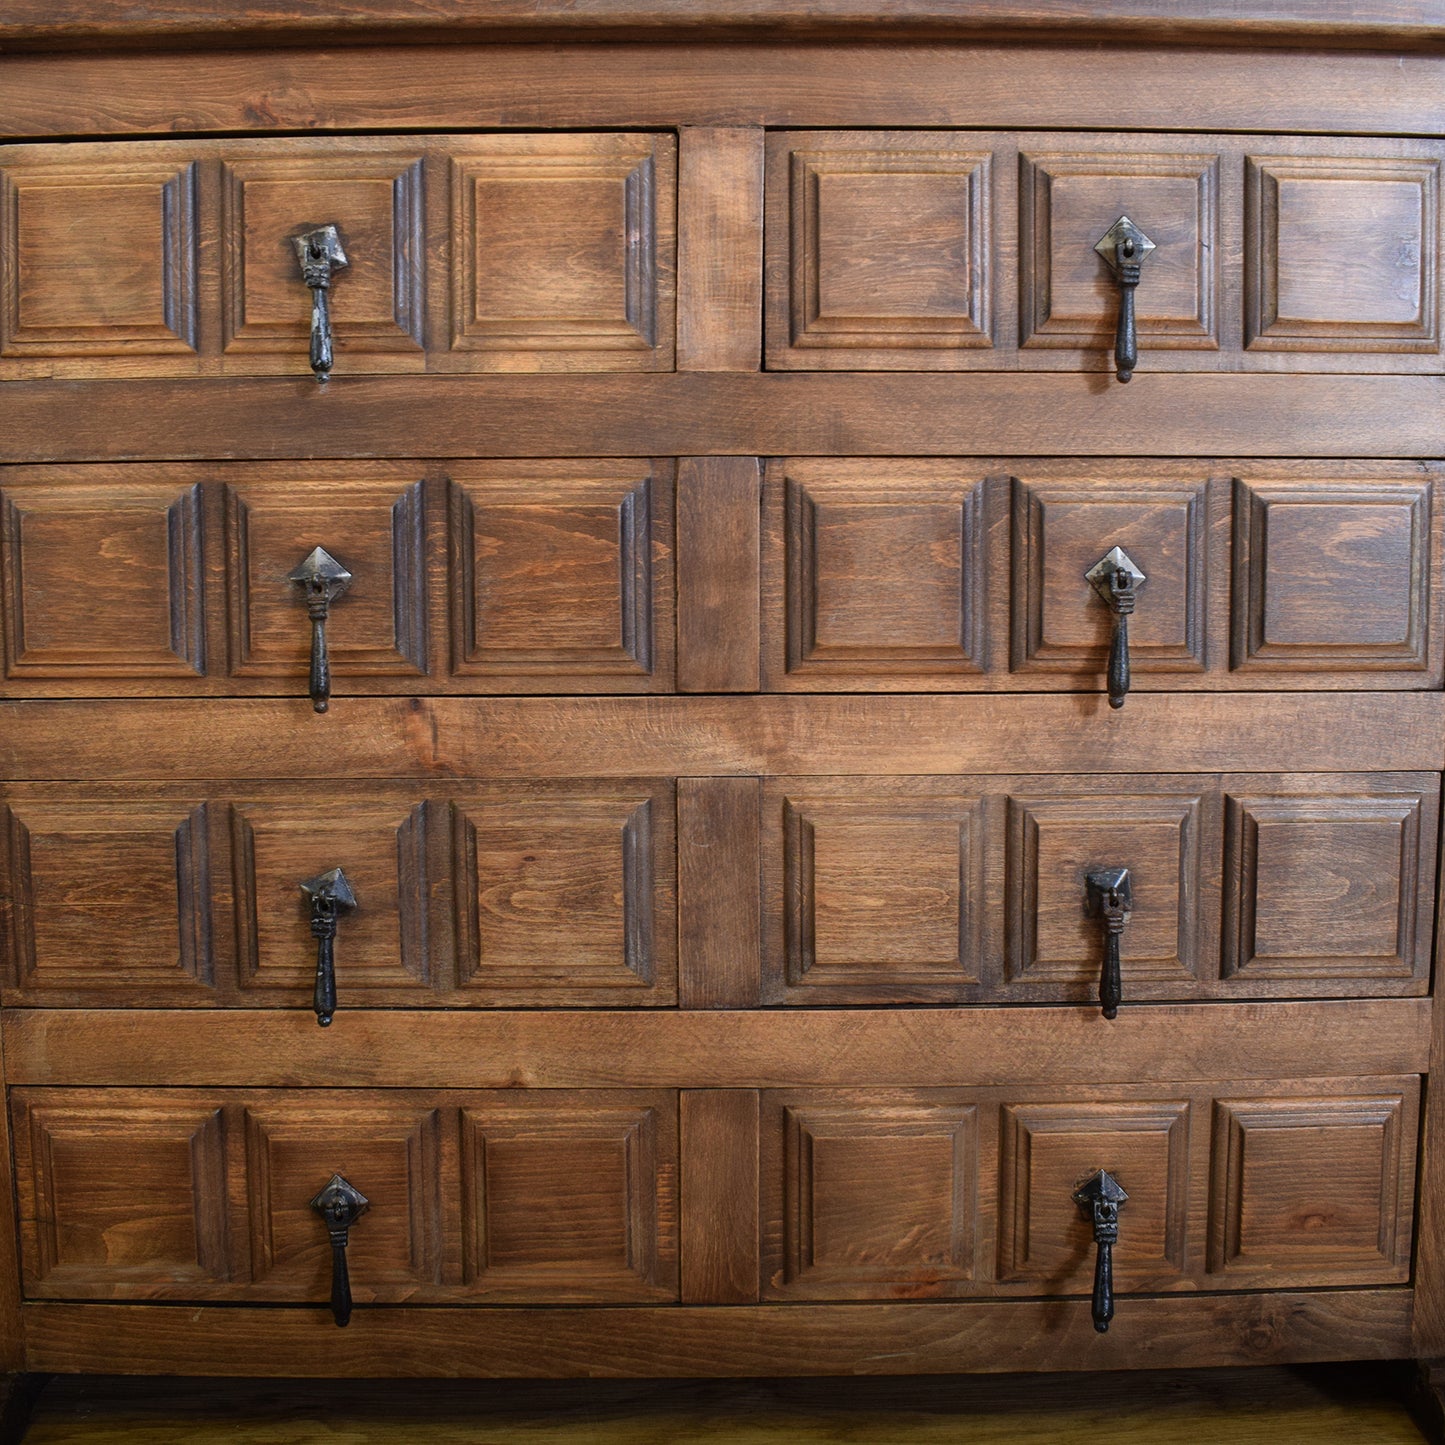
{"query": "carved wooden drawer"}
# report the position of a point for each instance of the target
(936, 1193)
(979, 889)
(895, 250)
(189, 1194)
(520, 576)
(920, 574)
(470, 895)
(516, 252)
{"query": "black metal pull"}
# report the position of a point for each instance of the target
(330, 896)
(320, 253)
(1101, 1198)
(323, 579)
(340, 1204)
(1117, 580)
(1111, 897)
(1125, 247)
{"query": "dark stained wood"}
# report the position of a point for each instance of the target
(718, 1050)
(720, 1193)
(14, 1399)
(718, 575)
(933, 1337)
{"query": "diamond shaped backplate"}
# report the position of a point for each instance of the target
(1123, 229)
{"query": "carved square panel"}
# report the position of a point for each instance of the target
(872, 1196)
(562, 569)
(570, 1196)
(101, 581)
(563, 251)
(121, 1196)
(872, 894)
(885, 570)
(109, 900)
(567, 894)
(389, 1151)
(1313, 1190)
(1332, 576)
(394, 947)
(374, 528)
(1334, 885)
(98, 252)
(1048, 1149)
(1063, 528)
(1342, 253)
(1070, 199)
(1055, 841)
(375, 201)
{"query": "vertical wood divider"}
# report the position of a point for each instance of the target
(720, 1241)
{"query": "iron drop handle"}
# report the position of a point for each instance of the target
(1101, 1198)
(330, 896)
(319, 253)
(322, 579)
(1125, 248)
(1111, 897)
(1117, 580)
(340, 1205)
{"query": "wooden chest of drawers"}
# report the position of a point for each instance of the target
(736, 838)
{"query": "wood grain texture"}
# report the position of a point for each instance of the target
(724, 736)
(718, 1050)
(720, 1192)
(934, 1337)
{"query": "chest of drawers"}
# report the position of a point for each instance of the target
(764, 900)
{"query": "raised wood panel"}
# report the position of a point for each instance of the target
(375, 529)
(1330, 879)
(108, 899)
(570, 1196)
(374, 200)
(100, 582)
(99, 255)
(1335, 576)
(563, 570)
(883, 572)
(390, 1151)
(1342, 250)
(121, 1198)
(871, 1195)
(881, 249)
(567, 894)
(393, 948)
(1061, 528)
(1055, 839)
(1313, 1188)
(563, 251)
(1048, 1149)
(1069, 200)
(872, 893)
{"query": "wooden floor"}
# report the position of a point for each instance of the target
(1318, 1405)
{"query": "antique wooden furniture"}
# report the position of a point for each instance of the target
(724, 690)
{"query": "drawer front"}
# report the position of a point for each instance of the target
(937, 1193)
(526, 576)
(933, 890)
(559, 1196)
(484, 895)
(895, 250)
(516, 252)
(914, 574)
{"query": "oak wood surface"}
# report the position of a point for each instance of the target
(719, 1165)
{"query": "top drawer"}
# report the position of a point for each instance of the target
(896, 251)
(514, 252)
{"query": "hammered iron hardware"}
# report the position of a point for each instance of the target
(340, 1204)
(1111, 897)
(1125, 247)
(319, 253)
(1101, 1198)
(1117, 580)
(324, 580)
(330, 896)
